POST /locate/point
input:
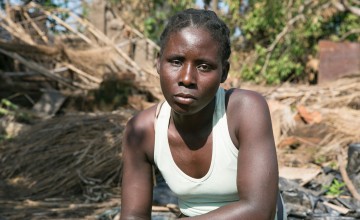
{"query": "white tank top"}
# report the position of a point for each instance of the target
(218, 186)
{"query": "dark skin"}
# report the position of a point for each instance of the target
(190, 74)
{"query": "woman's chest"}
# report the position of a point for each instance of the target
(192, 154)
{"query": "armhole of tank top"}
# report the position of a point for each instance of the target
(157, 112)
(225, 125)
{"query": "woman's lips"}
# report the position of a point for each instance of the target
(185, 99)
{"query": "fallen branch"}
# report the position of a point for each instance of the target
(82, 73)
(49, 51)
(64, 24)
(354, 31)
(352, 9)
(282, 34)
(340, 209)
(15, 30)
(37, 29)
(344, 5)
(136, 69)
(34, 66)
(137, 32)
(278, 38)
(346, 178)
(98, 34)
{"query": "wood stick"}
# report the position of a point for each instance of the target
(160, 209)
(105, 39)
(36, 67)
(346, 178)
(137, 32)
(352, 9)
(340, 209)
(82, 73)
(37, 29)
(101, 37)
(16, 30)
(278, 38)
(14, 33)
(30, 49)
(17, 74)
(61, 22)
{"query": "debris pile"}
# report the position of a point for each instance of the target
(314, 127)
(319, 121)
(71, 62)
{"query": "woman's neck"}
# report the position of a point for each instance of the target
(198, 122)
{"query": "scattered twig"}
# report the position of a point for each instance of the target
(353, 31)
(346, 178)
(340, 209)
(343, 5)
(37, 29)
(36, 67)
(15, 30)
(277, 39)
(352, 9)
(98, 34)
(82, 73)
(64, 24)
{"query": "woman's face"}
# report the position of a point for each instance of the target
(191, 70)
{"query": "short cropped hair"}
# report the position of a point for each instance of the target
(202, 19)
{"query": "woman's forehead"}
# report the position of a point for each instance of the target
(192, 41)
(191, 35)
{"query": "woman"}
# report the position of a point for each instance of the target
(214, 147)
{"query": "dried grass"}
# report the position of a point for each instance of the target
(63, 155)
(331, 95)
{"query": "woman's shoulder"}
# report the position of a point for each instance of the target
(247, 112)
(244, 99)
(143, 119)
(139, 133)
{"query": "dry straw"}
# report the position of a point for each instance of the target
(63, 155)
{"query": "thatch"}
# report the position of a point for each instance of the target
(66, 155)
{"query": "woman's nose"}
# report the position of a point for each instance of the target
(188, 76)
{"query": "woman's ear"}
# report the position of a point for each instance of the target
(225, 71)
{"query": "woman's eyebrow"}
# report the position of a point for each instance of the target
(174, 56)
(206, 60)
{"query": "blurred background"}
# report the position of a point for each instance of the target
(72, 72)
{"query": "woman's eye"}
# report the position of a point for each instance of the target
(175, 62)
(204, 67)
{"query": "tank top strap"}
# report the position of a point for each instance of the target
(161, 124)
(220, 124)
(220, 104)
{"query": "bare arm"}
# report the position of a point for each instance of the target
(137, 181)
(257, 171)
